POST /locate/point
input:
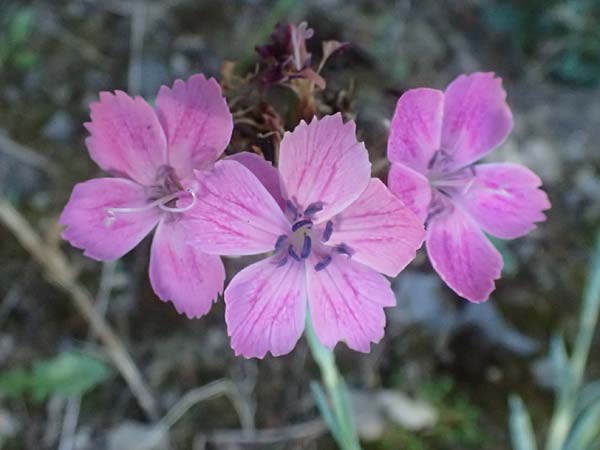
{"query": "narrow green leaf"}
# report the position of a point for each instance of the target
(588, 396)
(585, 430)
(560, 364)
(521, 431)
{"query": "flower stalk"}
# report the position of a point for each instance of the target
(333, 401)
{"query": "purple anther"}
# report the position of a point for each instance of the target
(313, 208)
(293, 253)
(280, 241)
(433, 160)
(323, 263)
(306, 247)
(344, 250)
(301, 223)
(292, 209)
(280, 262)
(444, 192)
(439, 160)
(327, 231)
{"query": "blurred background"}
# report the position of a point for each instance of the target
(441, 377)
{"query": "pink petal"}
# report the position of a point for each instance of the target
(180, 273)
(126, 137)
(416, 128)
(234, 214)
(382, 232)
(266, 308)
(505, 199)
(197, 123)
(89, 227)
(264, 171)
(411, 187)
(346, 302)
(323, 162)
(476, 117)
(461, 254)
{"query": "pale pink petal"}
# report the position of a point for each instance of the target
(323, 162)
(234, 214)
(346, 302)
(91, 228)
(461, 254)
(264, 171)
(505, 199)
(382, 233)
(411, 187)
(416, 128)
(476, 118)
(265, 308)
(197, 123)
(180, 273)
(126, 137)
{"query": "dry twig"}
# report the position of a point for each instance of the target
(302, 431)
(26, 155)
(62, 274)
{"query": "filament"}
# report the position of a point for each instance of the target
(166, 208)
(161, 203)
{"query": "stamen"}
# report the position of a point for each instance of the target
(313, 208)
(183, 208)
(344, 250)
(323, 264)
(111, 213)
(280, 262)
(306, 247)
(280, 241)
(301, 223)
(433, 159)
(442, 191)
(293, 253)
(292, 208)
(328, 231)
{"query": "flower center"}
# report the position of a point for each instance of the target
(305, 238)
(163, 195)
(447, 182)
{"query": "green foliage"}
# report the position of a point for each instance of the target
(521, 430)
(563, 34)
(457, 426)
(458, 423)
(15, 31)
(69, 373)
(575, 423)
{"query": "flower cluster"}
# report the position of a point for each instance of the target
(329, 234)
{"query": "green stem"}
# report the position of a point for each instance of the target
(337, 411)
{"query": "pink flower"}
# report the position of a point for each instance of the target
(152, 153)
(338, 229)
(435, 139)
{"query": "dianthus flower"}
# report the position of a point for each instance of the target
(152, 153)
(331, 231)
(435, 139)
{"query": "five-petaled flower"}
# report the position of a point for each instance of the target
(152, 153)
(435, 139)
(332, 231)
